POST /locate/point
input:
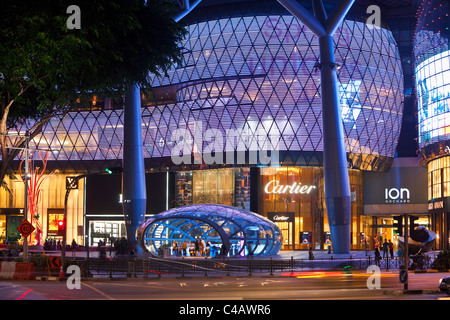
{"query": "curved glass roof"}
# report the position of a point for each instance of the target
(227, 231)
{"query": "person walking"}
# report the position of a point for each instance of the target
(391, 248)
(385, 248)
(311, 254)
(183, 248)
(197, 247)
(174, 248)
(377, 256)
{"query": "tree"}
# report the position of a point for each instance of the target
(45, 66)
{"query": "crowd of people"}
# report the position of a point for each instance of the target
(387, 248)
(197, 248)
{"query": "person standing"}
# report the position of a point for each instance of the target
(385, 248)
(183, 248)
(197, 247)
(391, 248)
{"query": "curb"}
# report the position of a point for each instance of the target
(400, 292)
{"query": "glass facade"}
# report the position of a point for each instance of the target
(219, 186)
(255, 75)
(432, 80)
(225, 231)
(292, 197)
(432, 72)
(252, 72)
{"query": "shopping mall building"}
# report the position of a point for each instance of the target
(251, 68)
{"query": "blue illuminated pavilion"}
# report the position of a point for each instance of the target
(230, 231)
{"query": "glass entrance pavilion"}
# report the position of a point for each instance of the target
(225, 230)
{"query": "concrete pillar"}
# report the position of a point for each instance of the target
(133, 176)
(336, 179)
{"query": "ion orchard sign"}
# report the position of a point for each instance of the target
(395, 195)
(295, 188)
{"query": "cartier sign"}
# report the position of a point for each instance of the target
(295, 188)
(281, 216)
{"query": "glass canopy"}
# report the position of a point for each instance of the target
(226, 231)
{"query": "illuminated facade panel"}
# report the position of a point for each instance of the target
(256, 74)
(433, 97)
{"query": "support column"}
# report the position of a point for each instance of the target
(336, 179)
(133, 176)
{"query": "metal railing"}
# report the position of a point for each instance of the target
(133, 267)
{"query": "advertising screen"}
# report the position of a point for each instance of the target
(433, 93)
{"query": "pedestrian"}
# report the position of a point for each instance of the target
(377, 256)
(385, 248)
(311, 254)
(197, 247)
(391, 249)
(202, 247)
(174, 248)
(183, 248)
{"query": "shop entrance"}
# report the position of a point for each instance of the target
(285, 222)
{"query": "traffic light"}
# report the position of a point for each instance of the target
(61, 228)
(114, 170)
(398, 225)
(412, 224)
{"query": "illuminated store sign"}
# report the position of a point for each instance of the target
(295, 188)
(395, 195)
(436, 205)
(281, 216)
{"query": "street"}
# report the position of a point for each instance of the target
(302, 285)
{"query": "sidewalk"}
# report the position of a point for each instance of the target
(282, 255)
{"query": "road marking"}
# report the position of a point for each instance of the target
(98, 291)
(24, 294)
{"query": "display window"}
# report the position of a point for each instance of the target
(292, 197)
(2, 228)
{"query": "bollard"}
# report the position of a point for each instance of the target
(292, 264)
(145, 267)
(182, 267)
(129, 270)
(271, 266)
(206, 267)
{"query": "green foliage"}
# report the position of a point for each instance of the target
(442, 261)
(119, 41)
(45, 66)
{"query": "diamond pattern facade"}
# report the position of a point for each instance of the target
(256, 74)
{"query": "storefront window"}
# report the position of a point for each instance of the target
(183, 189)
(439, 178)
(54, 215)
(292, 197)
(242, 188)
(2, 228)
(106, 231)
(289, 197)
(213, 186)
